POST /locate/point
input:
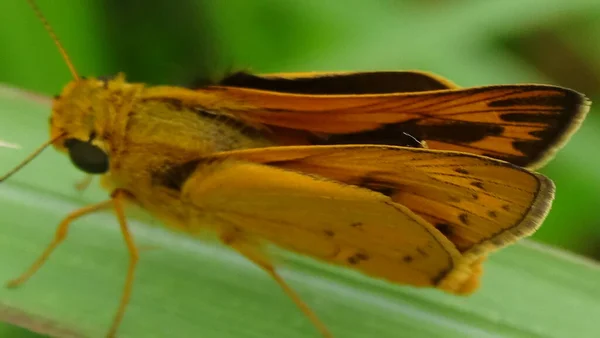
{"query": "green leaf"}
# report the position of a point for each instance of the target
(188, 288)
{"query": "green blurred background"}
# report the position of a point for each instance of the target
(471, 42)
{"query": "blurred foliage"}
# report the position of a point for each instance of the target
(471, 42)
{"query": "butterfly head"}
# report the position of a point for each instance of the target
(83, 119)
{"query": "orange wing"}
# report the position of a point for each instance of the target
(478, 203)
(522, 124)
(475, 201)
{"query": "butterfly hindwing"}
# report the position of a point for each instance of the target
(327, 220)
(479, 203)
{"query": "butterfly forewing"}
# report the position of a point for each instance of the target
(335, 83)
(521, 124)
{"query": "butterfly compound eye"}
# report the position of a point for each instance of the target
(87, 157)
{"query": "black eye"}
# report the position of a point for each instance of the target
(87, 156)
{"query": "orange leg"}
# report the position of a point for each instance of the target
(59, 237)
(61, 233)
(117, 198)
(254, 255)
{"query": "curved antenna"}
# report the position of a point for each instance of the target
(54, 38)
(31, 157)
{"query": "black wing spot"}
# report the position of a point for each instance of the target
(524, 117)
(352, 260)
(329, 233)
(407, 259)
(422, 252)
(362, 256)
(559, 110)
(395, 134)
(405, 134)
(478, 185)
(357, 225)
(357, 258)
(462, 171)
(492, 214)
(454, 199)
(464, 218)
(174, 176)
(543, 100)
(444, 228)
(454, 132)
(379, 185)
(529, 147)
(506, 207)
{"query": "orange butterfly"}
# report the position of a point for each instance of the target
(399, 175)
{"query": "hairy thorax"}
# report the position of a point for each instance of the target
(164, 142)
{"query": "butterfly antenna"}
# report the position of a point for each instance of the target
(54, 38)
(30, 157)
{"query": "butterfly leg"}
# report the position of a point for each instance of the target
(252, 253)
(59, 237)
(118, 197)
